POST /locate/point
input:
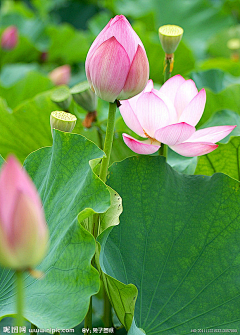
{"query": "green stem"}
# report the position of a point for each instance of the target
(107, 317)
(99, 132)
(95, 218)
(88, 317)
(168, 66)
(105, 161)
(1, 60)
(20, 298)
(163, 150)
(108, 141)
(95, 223)
(167, 74)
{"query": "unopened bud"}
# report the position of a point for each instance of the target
(61, 75)
(23, 228)
(116, 66)
(63, 121)
(84, 96)
(170, 36)
(9, 38)
(62, 97)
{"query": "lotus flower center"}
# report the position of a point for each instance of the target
(153, 140)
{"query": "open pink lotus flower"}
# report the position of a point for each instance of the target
(169, 116)
(116, 64)
(23, 229)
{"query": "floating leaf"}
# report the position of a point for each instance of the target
(27, 128)
(67, 186)
(225, 159)
(178, 242)
(224, 118)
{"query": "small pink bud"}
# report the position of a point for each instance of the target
(9, 38)
(61, 75)
(23, 229)
(116, 65)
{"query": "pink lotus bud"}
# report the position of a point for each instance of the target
(23, 229)
(116, 64)
(9, 38)
(61, 75)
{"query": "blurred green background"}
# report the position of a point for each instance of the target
(58, 32)
(65, 29)
(53, 33)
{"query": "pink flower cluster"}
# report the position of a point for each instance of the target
(117, 68)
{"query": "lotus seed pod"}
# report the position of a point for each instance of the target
(84, 96)
(62, 97)
(62, 121)
(170, 36)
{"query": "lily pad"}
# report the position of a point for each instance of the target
(178, 242)
(225, 159)
(67, 187)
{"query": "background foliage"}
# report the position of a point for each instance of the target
(57, 32)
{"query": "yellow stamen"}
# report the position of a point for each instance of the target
(151, 138)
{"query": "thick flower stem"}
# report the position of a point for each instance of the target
(20, 298)
(99, 133)
(95, 218)
(163, 150)
(103, 175)
(168, 66)
(107, 317)
(105, 161)
(167, 74)
(88, 318)
(108, 141)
